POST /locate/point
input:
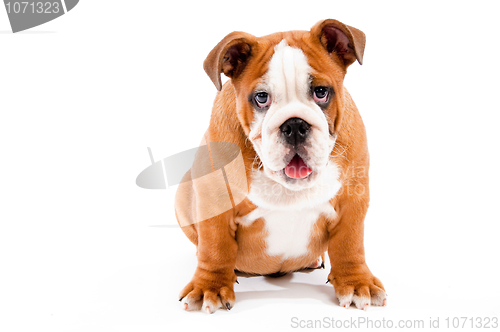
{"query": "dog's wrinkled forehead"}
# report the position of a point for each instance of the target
(288, 76)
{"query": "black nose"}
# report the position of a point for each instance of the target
(295, 131)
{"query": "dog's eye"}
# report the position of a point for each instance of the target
(320, 94)
(262, 99)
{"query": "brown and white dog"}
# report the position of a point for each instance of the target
(306, 165)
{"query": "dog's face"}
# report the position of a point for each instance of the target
(289, 94)
(293, 115)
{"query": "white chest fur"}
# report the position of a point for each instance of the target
(290, 215)
(289, 231)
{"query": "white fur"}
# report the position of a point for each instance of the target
(289, 231)
(361, 302)
(270, 195)
(345, 301)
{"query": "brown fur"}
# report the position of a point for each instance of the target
(223, 245)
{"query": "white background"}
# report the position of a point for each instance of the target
(82, 97)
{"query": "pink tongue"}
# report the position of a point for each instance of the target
(297, 168)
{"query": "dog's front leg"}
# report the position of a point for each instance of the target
(349, 275)
(212, 284)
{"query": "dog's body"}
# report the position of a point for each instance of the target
(306, 162)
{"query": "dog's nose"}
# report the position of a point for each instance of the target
(295, 131)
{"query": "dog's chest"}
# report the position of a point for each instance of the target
(288, 233)
(290, 217)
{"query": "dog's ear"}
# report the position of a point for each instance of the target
(346, 42)
(230, 57)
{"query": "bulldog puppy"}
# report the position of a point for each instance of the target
(306, 163)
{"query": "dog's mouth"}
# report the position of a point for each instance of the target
(297, 168)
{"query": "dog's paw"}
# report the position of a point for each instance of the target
(209, 298)
(363, 291)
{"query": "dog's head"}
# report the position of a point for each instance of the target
(289, 94)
